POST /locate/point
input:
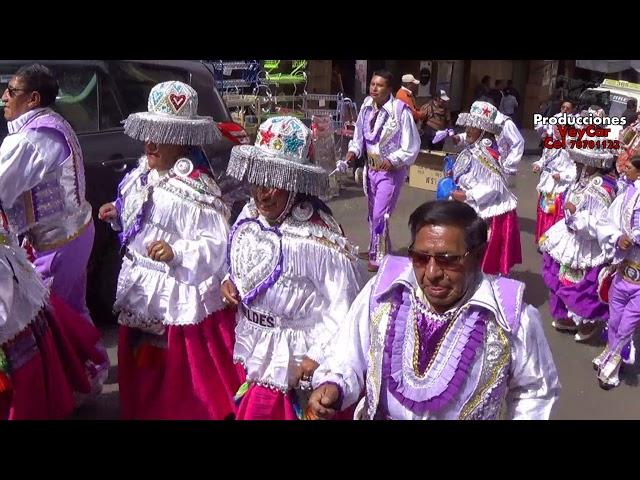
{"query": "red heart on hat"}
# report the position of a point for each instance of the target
(177, 101)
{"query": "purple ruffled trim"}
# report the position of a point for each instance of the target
(447, 386)
(273, 276)
(126, 236)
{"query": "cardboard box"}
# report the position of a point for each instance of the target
(427, 170)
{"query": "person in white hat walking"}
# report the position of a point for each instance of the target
(176, 336)
(292, 272)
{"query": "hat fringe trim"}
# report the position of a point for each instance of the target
(250, 164)
(469, 120)
(172, 132)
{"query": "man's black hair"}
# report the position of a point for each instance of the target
(450, 213)
(38, 78)
(386, 74)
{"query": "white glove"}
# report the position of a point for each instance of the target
(441, 135)
(341, 166)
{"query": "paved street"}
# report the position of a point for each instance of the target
(581, 398)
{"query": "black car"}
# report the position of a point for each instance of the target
(95, 97)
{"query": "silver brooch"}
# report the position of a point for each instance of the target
(302, 212)
(486, 142)
(596, 182)
(183, 167)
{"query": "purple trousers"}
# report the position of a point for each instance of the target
(624, 312)
(383, 190)
(64, 271)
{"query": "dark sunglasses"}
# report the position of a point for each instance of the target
(445, 260)
(12, 91)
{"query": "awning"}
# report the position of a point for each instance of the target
(608, 66)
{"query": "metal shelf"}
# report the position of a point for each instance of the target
(319, 97)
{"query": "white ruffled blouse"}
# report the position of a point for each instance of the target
(483, 181)
(299, 314)
(552, 162)
(574, 241)
(22, 292)
(188, 214)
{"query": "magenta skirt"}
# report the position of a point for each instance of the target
(503, 250)
(186, 374)
(544, 220)
(47, 364)
(263, 403)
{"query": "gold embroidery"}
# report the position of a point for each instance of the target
(375, 349)
(52, 246)
(481, 392)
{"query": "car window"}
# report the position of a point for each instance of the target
(618, 104)
(135, 81)
(111, 111)
(77, 100)
(78, 97)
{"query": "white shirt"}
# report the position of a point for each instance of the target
(510, 144)
(508, 104)
(25, 157)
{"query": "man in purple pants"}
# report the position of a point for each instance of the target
(386, 132)
(619, 236)
(42, 190)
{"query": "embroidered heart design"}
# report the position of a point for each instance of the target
(156, 96)
(255, 258)
(177, 101)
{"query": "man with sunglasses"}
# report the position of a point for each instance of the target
(432, 337)
(42, 190)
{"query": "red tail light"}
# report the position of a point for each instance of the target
(234, 132)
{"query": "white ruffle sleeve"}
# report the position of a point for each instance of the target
(533, 385)
(347, 364)
(21, 300)
(484, 184)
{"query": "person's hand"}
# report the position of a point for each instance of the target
(536, 169)
(571, 207)
(556, 177)
(107, 212)
(305, 370)
(322, 402)
(230, 293)
(160, 251)
(386, 166)
(455, 139)
(459, 195)
(624, 242)
(350, 158)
